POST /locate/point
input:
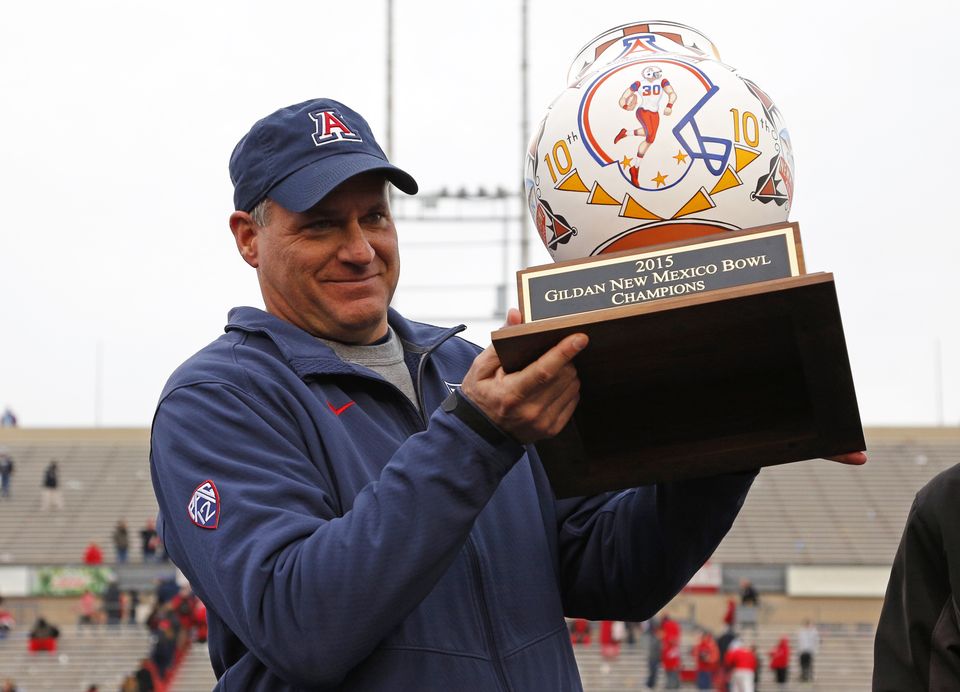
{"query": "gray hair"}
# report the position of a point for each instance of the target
(261, 213)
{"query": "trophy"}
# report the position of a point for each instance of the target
(660, 181)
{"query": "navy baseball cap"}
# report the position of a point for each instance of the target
(298, 154)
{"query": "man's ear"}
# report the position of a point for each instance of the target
(245, 234)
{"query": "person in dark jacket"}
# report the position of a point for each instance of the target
(364, 509)
(917, 645)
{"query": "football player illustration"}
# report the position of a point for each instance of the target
(649, 93)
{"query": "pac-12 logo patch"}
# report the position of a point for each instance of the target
(204, 507)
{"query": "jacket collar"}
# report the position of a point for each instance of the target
(308, 355)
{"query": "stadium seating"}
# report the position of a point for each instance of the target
(98, 656)
(809, 513)
(104, 477)
(824, 513)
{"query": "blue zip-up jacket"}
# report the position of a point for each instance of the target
(354, 545)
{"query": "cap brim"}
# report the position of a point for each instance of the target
(304, 188)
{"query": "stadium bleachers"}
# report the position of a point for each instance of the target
(824, 513)
(99, 656)
(809, 513)
(195, 672)
(104, 477)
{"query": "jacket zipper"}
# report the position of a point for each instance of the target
(421, 366)
(485, 615)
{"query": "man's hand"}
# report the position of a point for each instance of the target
(533, 403)
(852, 458)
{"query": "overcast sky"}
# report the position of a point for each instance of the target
(118, 118)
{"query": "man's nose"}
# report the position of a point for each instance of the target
(356, 248)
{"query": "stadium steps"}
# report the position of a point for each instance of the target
(195, 672)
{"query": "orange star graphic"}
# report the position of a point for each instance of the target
(626, 162)
(661, 179)
(680, 157)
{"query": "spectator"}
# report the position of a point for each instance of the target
(8, 686)
(780, 661)
(609, 642)
(808, 644)
(87, 609)
(129, 684)
(580, 631)
(133, 601)
(706, 655)
(112, 603)
(166, 590)
(724, 642)
(200, 620)
(671, 662)
(43, 636)
(93, 555)
(7, 623)
(654, 653)
(671, 629)
(747, 614)
(730, 616)
(149, 540)
(52, 496)
(8, 419)
(121, 541)
(144, 676)
(183, 606)
(6, 471)
(164, 649)
(742, 663)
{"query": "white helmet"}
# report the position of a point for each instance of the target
(603, 176)
(651, 73)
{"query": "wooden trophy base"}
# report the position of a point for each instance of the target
(699, 385)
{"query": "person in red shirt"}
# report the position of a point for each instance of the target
(609, 644)
(706, 654)
(670, 658)
(93, 555)
(671, 630)
(780, 660)
(743, 666)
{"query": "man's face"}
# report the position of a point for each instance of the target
(332, 269)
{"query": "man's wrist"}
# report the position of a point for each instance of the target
(460, 406)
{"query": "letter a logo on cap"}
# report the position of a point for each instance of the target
(331, 128)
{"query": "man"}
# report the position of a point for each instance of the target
(808, 644)
(349, 492)
(741, 661)
(121, 541)
(706, 655)
(6, 472)
(51, 495)
(918, 637)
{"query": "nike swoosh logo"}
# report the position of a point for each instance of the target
(338, 411)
